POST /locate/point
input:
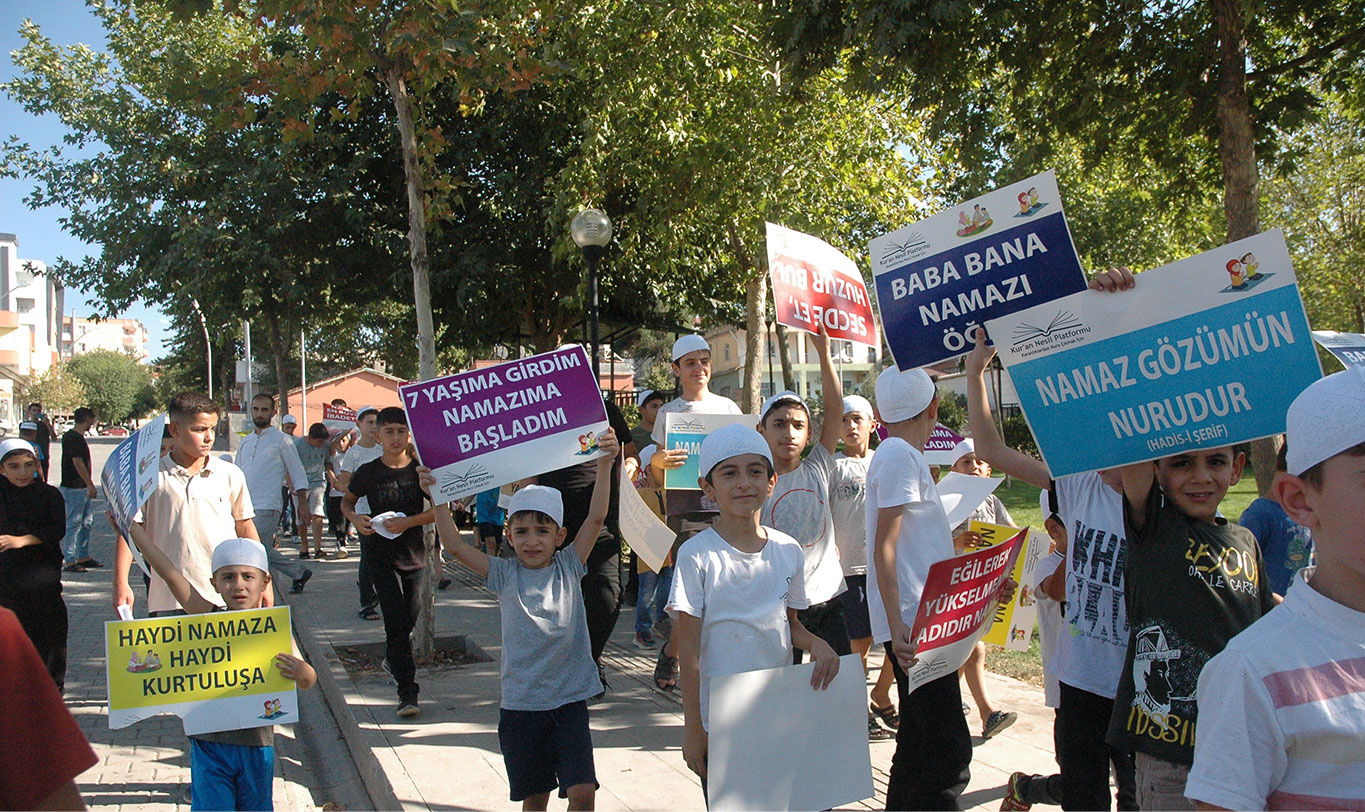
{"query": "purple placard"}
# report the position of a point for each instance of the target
(495, 425)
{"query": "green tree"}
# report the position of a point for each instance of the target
(113, 382)
(57, 389)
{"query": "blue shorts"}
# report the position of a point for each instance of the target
(231, 776)
(546, 749)
(857, 622)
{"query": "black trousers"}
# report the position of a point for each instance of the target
(397, 591)
(933, 759)
(42, 614)
(602, 591)
(336, 523)
(1085, 756)
(825, 621)
(364, 579)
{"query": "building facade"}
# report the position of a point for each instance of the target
(31, 306)
(81, 335)
(857, 364)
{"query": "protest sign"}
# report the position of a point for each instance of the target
(1349, 348)
(939, 449)
(1184, 361)
(1013, 623)
(814, 284)
(216, 671)
(129, 477)
(338, 417)
(491, 426)
(687, 430)
(647, 536)
(962, 494)
(957, 605)
(778, 743)
(940, 278)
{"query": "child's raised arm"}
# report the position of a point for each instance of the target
(186, 595)
(1137, 489)
(831, 393)
(601, 497)
(472, 557)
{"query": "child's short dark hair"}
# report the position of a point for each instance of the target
(766, 461)
(390, 415)
(318, 431)
(83, 413)
(187, 404)
(652, 396)
(534, 516)
(1315, 476)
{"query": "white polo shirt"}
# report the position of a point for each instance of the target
(187, 516)
(265, 457)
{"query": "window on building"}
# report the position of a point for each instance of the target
(872, 355)
(727, 352)
(24, 305)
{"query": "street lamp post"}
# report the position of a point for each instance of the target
(208, 343)
(591, 230)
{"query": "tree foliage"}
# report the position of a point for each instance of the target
(114, 382)
(57, 389)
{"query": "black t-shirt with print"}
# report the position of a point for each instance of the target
(1190, 587)
(394, 489)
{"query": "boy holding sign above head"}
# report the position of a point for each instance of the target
(233, 769)
(737, 586)
(1282, 708)
(1090, 654)
(394, 546)
(799, 503)
(907, 533)
(548, 673)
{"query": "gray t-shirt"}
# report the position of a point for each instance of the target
(799, 507)
(848, 503)
(546, 655)
(314, 459)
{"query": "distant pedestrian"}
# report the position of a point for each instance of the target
(78, 489)
(313, 451)
(43, 435)
(268, 458)
(336, 523)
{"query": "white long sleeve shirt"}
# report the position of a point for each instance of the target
(265, 458)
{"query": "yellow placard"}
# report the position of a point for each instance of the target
(171, 662)
(1013, 624)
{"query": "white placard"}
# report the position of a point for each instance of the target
(962, 494)
(777, 743)
(647, 536)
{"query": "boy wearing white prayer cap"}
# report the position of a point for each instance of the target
(692, 366)
(231, 769)
(548, 673)
(1282, 707)
(737, 586)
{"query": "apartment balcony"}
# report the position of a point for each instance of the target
(9, 322)
(9, 358)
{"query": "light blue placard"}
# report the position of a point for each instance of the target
(1349, 348)
(1214, 378)
(685, 478)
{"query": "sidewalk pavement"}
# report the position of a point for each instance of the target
(448, 757)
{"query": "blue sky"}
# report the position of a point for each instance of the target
(41, 237)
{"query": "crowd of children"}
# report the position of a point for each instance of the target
(1171, 664)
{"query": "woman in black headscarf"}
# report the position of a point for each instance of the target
(32, 524)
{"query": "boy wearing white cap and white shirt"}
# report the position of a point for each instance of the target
(799, 503)
(548, 673)
(907, 532)
(848, 504)
(1282, 707)
(737, 586)
(365, 449)
(692, 366)
(231, 769)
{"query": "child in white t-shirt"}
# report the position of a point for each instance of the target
(737, 586)
(1282, 707)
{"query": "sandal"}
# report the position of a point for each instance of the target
(888, 715)
(666, 672)
(368, 613)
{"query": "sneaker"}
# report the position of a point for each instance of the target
(304, 554)
(407, 709)
(341, 551)
(299, 582)
(996, 722)
(644, 641)
(89, 563)
(877, 733)
(1014, 795)
(443, 583)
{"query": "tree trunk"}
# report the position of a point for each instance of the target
(1241, 178)
(424, 633)
(279, 353)
(755, 341)
(784, 355)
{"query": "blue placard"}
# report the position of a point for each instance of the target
(1348, 348)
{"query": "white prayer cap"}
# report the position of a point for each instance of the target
(857, 403)
(647, 454)
(289, 418)
(28, 425)
(359, 413)
(731, 441)
(962, 449)
(240, 553)
(538, 498)
(14, 444)
(643, 396)
(1326, 419)
(903, 395)
(787, 396)
(689, 343)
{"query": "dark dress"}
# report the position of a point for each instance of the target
(31, 577)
